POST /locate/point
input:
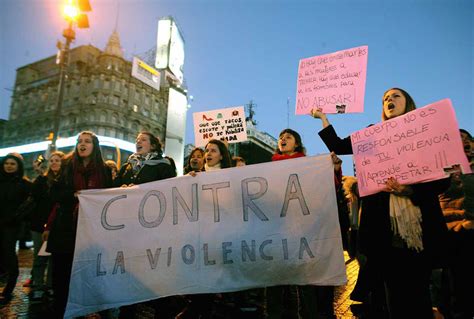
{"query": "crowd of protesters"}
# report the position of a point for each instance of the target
(413, 242)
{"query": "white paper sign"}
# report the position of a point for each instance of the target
(237, 228)
(223, 124)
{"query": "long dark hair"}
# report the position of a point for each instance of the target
(461, 130)
(188, 168)
(300, 148)
(154, 142)
(225, 161)
(96, 156)
(410, 103)
(72, 160)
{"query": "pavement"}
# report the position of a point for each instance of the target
(22, 306)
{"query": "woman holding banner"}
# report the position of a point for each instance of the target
(402, 231)
(216, 157)
(146, 165)
(306, 301)
(84, 168)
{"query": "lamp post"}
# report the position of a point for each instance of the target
(73, 14)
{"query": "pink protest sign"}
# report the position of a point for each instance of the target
(420, 146)
(334, 82)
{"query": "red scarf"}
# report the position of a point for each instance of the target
(281, 157)
(89, 177)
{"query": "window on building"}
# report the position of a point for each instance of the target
(103, 117)
(115, 100)
(106, 85)
(101, 131)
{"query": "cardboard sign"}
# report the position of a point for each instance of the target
(233, 229)
(334, 82)
(420, 146)
(224, 124)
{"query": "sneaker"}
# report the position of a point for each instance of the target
(28, 283)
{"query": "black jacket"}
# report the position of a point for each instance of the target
(44, 203)
(148, 173)
(62, 236)
(13, 191)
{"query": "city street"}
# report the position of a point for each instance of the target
(22, 307)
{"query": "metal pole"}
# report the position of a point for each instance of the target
(63, 63)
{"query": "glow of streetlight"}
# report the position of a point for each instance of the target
(71, 11)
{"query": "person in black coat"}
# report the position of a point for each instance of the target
(404, 267)
(147, 164)
(14, 190)
(83, 169)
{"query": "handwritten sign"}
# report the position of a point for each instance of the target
(224, 124)
(233, 229)
(420, 146)
(333, 82)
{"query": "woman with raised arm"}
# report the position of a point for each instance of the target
(41, 193)
(402, 231)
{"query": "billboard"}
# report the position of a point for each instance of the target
(176, 127)
(145, 73)
(170, 47)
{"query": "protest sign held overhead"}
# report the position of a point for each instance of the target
(334, 82)
(223, 124)
(238, 228)
(420, 146)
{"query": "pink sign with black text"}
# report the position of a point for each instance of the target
(334, 82)
(420, 146)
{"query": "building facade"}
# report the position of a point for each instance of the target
(101, 95)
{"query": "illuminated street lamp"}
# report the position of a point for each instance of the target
(73, 12)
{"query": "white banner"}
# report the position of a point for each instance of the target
(238, 228)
